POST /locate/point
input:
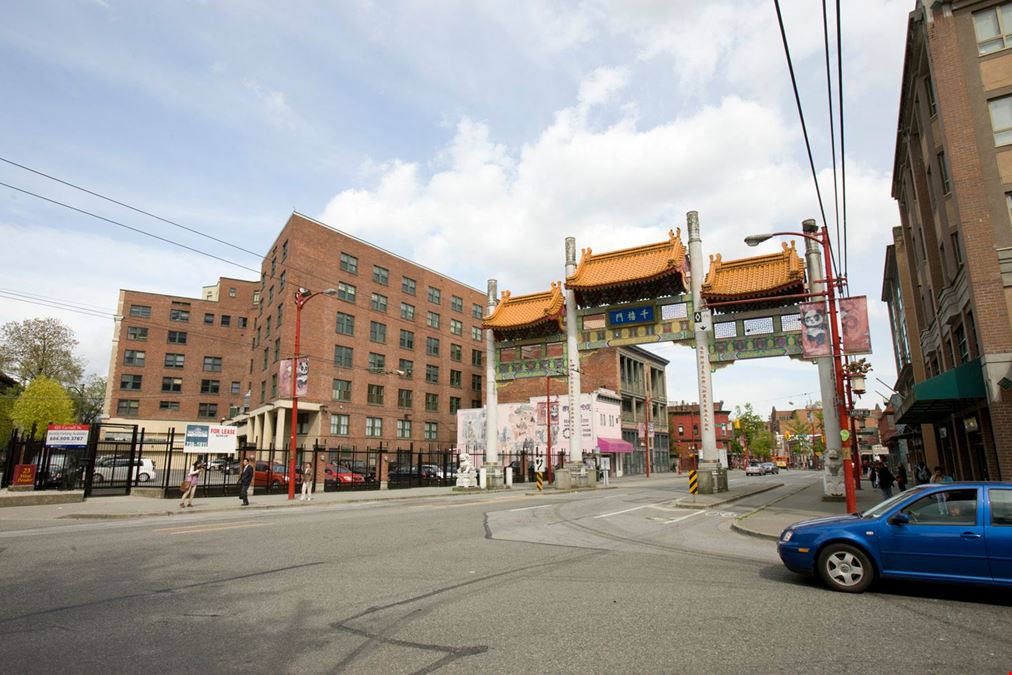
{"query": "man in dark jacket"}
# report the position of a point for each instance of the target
(245, 480)
(885, 479)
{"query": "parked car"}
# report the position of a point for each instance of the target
(770, 467)
(116, 468)
(941, 532)
(275, 475)
(222, 463)
(754, 469)
(342, 474)
(408, 471)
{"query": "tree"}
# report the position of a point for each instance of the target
(39, 348)
(7, 399)
(751, 432)
(88, 397)
(42, 402)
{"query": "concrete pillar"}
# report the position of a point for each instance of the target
(574, 474)
(279, 432)
(492, 469)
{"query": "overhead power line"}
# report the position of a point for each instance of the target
(843, 154)
(832, 126)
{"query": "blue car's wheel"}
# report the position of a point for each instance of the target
(845, 568)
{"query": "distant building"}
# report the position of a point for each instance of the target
(686, 439)
(948, 274)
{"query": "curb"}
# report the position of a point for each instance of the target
(766, 488)
(749, 532)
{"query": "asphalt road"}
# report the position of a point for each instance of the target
(602, 582)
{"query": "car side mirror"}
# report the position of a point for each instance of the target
(899, 519)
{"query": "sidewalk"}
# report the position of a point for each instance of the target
(803, 504)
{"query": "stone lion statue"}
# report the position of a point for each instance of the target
(465, 471)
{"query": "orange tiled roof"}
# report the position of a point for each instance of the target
(753, 277)
(527, 310)
(641, 263)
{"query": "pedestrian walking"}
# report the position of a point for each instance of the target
(307, 482)
(885, 480)
(937, 476)
(191, 483)
(901, 477)
(245, 480)
(873, 475)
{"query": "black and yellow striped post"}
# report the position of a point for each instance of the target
(541, 481)
(693, 483)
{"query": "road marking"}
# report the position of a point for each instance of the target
(676, 520)
(528, 508)
(635, 508)
(663, 508)
(194, 529)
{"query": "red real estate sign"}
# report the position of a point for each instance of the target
(24, 475)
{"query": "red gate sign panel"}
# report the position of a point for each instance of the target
(24, 474)
(285, 378)
(815, 337)
(854, 319)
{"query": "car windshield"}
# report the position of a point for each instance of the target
(882, 507)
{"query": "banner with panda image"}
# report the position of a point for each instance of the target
(815, 337)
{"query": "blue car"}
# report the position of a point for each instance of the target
(943, 532)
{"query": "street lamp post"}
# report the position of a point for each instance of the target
(302, 296)
(819, 235)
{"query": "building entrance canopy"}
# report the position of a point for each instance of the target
(943, 395)
(613, 445)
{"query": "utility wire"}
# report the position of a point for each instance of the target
(127, 206)
(128, 227)
(832, 127)
(54, 305)
(843, 161)
(801, 113)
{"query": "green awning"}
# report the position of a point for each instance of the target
(943, 395)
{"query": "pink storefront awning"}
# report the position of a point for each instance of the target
(613, 445)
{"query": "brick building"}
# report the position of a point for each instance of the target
(685, 438)
(393, 349)
(950, 269)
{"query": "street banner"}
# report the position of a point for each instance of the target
(854, 319)
(301, 378)
(815, 338)
(67, 435)
(24, 475)
(210, 439)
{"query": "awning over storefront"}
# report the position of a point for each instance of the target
(613, 445)
(943, 395)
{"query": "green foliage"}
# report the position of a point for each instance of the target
(88, 398)
(751, 433)
(39, 348)
(7, 399)
(42, 402)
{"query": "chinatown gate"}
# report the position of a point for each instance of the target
(743, 309)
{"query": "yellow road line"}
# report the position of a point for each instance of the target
(206, 528)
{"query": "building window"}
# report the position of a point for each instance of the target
(431, 431)
(267, 355)
(381, 275)
(172, 384)
(403, 428)
(435, 295)
(338, 425)
(456, 303)
(127, 407)
(379, 302)
(130, 381)
(455, 378)
(175, 360)
(208, 319)
(476, 312)
(454, 404)
(284, 250)
(374, 394)
(456, 352)
(340, 390)
(476, 333)
(243, 322)
(281, 315)
(432, 319)
(207, 410)
(140, 311)
(274, 385)
(212, 364)
(407, 339)
(345, 324)
(408, 285)
(378, 332)
(179, 315)
(957, 250)
(476, 382)
(456, 327)
(377, 362)
(432, 402)
(432, 374)
(405, 398)
(256, 298)
(346, 291)
(133, 357)
(169, 405)
(177, 337)
(407, 311)
(374, 426)
(267, 327)
(281, 281)
(137, 333)
(263, 391)
(475, 402)
(342, 356)
(349, 263)
(407, 367)
(932, 104)
(1008, 205)
(962, 345)
(943, 174)
(226, 320)
(993, 27)
(234, 388)
(1001, 119)
(209, 386)
(432, 346)
(475, 357)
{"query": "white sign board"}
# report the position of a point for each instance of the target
(210, 439)
(67, 435)
(539, 464)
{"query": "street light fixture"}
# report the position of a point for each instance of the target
(302, 296)
(821, 236)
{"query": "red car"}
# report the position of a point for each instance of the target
(342, 474)
(265, 474)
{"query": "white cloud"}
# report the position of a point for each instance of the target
(277, 111)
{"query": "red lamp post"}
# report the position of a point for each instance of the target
(302, 296)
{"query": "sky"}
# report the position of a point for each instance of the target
(470, 137)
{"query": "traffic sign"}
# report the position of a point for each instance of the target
(539, 464)
(693, 483)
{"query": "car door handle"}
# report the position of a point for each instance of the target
(970, 535)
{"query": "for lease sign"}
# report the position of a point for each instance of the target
(67, 435)
(209, 439)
